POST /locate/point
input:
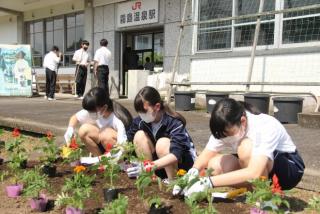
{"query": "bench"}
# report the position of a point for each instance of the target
(65, 83)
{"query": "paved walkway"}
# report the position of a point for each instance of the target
(39, 115)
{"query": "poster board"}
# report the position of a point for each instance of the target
(15, 70)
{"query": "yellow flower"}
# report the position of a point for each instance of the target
(263, 178)
(181, 172)
(66, 151)
(78, 169)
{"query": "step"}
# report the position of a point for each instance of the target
(309, 120)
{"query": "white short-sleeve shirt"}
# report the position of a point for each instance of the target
(102, 56)
(112, 121)
(267, 135)
(81, 56)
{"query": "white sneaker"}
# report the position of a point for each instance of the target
(50, 99)
(80, 98)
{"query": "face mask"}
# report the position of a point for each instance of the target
(94, 116)
(147, 117)
(235, 138)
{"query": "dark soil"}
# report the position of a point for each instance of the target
(20, 205)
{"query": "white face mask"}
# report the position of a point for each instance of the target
(235, 139)
(147, 117)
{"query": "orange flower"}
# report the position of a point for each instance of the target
(73, 144)
(276, 188)
(49, 135)
(263, 178)
(16, 132)
(202, 173)
(181, 172)
(79, 168)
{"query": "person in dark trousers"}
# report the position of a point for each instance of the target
(81, 57)
(149, 65)
(50, 63)
(102, 59)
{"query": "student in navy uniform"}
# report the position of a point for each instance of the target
(261, 143)
(160, 135)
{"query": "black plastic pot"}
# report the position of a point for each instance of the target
(213, 97)
(159, 210)
(184, 100)
(110, 194)
(286, 109)
(50, 171)
(23, 164)
(259, 101)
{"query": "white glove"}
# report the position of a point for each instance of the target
(192, 173)
(68, 135)
(200, 186)
(89, 160)
(135, 171)
(117, 156)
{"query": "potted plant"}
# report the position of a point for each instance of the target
(145, 179)
(73, 152)
(266, 197)
(118, 206)
(50, 153)
(156, 206)
(110, 171)
(16, 152)
(34, 183)
(75, 191)
(15, 188)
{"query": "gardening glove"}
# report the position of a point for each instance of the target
(68, 135)
(200, 186)
(89, 160)
(192, 173)
(135, 171)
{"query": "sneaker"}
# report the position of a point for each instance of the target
(166, 181)
(50, 99)
(80, 98)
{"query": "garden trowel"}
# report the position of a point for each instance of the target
(230, 194)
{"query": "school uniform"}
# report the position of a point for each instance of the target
(170, 127)
(269, 138)
(50, 63)
(112, 121)
(82, 57)
(103, 57)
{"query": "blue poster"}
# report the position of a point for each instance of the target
(15, 70)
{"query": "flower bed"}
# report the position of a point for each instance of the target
(127, 187)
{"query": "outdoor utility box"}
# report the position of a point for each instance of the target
(286, 109)
(213, 97)
(258, 100)
(184, 100)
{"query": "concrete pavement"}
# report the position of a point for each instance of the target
(39, 115)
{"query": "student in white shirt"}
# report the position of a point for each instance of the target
(261, 143)
(81, 57)
(102, 59)
(102, 121)
(50, 63)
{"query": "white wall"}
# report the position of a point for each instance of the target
(8, 30)
(275, 68)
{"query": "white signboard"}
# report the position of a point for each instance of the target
(137, 13)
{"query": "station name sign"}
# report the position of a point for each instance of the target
(137, 13)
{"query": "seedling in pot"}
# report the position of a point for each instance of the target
(118, 206)
(156, 206)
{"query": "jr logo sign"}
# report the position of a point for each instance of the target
(136, 5)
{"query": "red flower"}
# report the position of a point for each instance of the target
(276, 188)
(148, 165)
(73, 144)
(101, 168)
(16, 132)
(108, 147)
(49, 135)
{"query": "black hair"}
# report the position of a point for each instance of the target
(97, 98)
(152, 96)
(228, 112)
(85, 42)
(103, 42)
(148, 59)
(55, 48)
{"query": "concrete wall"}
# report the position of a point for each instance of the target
(9, 30)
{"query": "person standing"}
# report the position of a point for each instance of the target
(50, 63)
(102, 59)
(81, 57)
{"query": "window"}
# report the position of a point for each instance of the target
(297, 27)
(302, 26)
(66, 32)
